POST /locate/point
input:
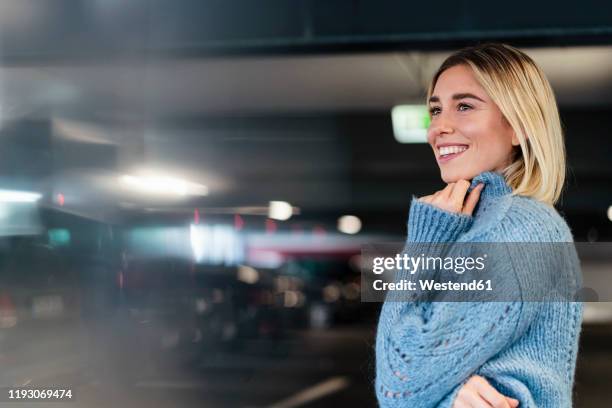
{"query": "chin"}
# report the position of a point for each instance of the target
(449, 176)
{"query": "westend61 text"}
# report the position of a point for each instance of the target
(430, 284)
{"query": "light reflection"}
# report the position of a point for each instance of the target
(162, 185)
(216, 244)
(14, 196)
(349, 224)
(247, 274)
(280, 210)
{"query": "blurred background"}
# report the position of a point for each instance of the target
(185, 187)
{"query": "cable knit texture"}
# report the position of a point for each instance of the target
(426, 351)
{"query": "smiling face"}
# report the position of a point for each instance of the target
(468, 133)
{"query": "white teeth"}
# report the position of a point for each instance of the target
(451, 149)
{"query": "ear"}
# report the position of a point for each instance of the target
(515, 140)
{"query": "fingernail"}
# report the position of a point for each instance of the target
(480, 185)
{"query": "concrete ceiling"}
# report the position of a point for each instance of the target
(581, 77)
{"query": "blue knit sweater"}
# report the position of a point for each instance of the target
(426, 351)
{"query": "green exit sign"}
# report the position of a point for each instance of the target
(410, 123)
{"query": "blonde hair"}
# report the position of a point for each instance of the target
(525, 98)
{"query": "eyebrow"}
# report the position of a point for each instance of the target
(457, 97)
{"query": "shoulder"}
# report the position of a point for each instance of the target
(550, 267)
(524, 219)
(531, 220)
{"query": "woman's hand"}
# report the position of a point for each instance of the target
(452, 197)
(478, 393)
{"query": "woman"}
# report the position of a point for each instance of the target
(496, 135)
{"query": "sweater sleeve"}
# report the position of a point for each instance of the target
(430, 224)
(427, 350)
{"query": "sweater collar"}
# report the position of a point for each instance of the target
(495, 184)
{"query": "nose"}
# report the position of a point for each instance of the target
(440, 125)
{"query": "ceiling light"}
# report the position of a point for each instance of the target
(349, 224)
(280, 210)
(13, 196)
(163, 185)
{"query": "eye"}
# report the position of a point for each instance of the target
(434, 110)
(462, 107)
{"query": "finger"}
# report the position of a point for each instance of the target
(513, 402)
(459, 191)
(472, 199)
(448, 190)
(442, 198)
(474, 399)
(435, 199)
(460, 403)
(455, 200)
(490, 394)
